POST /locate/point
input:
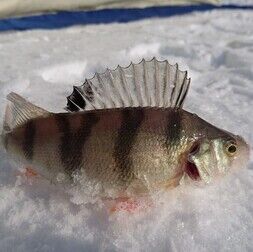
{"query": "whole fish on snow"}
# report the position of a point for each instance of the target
(125, 131)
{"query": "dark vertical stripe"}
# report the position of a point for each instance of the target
(173, 127)
(28, 143)
(72, 141)
(131, 121)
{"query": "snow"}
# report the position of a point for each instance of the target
(42, 65)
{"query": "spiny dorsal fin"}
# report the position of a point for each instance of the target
(18, 111)
(146, 84)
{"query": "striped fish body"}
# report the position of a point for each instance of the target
(125, 133)
(135, 148)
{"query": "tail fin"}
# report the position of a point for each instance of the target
(18, 111)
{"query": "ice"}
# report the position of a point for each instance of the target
(42, 65)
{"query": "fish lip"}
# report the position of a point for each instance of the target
(247, 147)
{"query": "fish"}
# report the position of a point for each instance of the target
(125, 133)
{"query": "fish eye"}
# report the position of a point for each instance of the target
(231, 148)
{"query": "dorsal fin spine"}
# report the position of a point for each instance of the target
(102, 87)
(174, 86)
(95, 92)
(133, 79)
(167, 87)
(178, 102)
(113, 89)
(146, 94)
(188, 81)
(75, 104)
(150, 83)
(124, 87)
(157, 87)
(84, 97)
(138, 87)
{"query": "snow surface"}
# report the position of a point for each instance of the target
(217, 49)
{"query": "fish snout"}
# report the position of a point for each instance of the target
(243, 155)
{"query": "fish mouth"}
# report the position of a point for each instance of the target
(192, 171)
(191, 168)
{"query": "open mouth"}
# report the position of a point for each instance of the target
(190, 167)
(192, 171)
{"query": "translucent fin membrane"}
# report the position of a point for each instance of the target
(146, 84)
(18, 111)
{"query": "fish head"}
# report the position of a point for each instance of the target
(210, 159)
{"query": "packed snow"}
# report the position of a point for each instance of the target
(42, 65)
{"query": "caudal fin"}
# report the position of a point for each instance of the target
(18, 111)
